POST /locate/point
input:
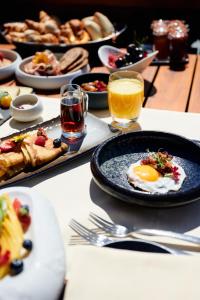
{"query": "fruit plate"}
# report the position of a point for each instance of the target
(39, 268)
(97, 132)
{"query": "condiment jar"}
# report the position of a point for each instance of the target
(178, 36)
(160, 35)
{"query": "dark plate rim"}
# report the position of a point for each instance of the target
(172, 199)
(163, 249)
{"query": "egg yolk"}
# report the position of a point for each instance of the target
(146, 172)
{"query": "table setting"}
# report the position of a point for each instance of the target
(98, 183)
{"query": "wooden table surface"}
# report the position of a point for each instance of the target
(164, 88)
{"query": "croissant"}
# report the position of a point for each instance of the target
(76, 25)
(82, 37)
(43, 16)
(63, 39)
(15, 36)
(49, 38)
(35, 25)
(67, 31)
(50, 26)
(15, 26)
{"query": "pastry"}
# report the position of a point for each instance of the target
(36, 26)
(27, 151)
(93, 29)
(107, 27)
(49, 30)
(15, 26)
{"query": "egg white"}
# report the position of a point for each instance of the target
(162, 185)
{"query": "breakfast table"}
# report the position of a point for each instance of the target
(171, 104)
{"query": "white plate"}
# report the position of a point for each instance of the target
(97, 132)
(45, 82)
(139, 66)
(9, 70)
(44, 269)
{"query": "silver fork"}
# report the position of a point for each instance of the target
(89, 235)
(122, 231)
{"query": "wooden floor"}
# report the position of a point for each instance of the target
(164, 88)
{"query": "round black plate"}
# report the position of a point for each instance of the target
(140, 245)
(111, 160)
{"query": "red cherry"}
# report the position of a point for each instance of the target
(40, 141)
(25, 221)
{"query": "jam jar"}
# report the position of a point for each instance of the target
(178, 36)
(160, 36)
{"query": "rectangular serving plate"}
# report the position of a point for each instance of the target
(97, 131)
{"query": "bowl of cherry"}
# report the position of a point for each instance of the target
(134, 58)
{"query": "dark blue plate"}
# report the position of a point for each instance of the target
(111, 160)
(142, 246)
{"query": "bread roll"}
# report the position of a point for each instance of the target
(107, 27)
(93, 29)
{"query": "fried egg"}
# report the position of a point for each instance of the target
(148, 179)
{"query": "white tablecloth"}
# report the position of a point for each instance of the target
(73, 193)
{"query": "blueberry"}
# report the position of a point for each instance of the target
(28, 245)
(57, 143)
(127, 57)
(16, 266)
(26, 207)
(120, 62)
(131, 48)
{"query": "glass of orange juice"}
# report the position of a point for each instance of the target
(125, 98)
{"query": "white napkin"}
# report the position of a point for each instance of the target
(101, 273)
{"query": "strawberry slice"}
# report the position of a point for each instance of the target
(17, 205)
(25, 221)
(40, 141)
(7, 146)
(41, 132)
(4, 258)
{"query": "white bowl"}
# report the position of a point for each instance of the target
(26, 114)
(44, 269)
(139, 66)
(45, 82)
(9, 70)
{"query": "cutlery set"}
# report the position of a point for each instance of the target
(120, 232)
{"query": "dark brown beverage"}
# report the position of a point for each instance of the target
(161, 42)
(72, 116)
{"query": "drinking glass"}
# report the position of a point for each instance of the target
(74, 106)
(125, 98)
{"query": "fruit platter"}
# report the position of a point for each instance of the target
(23, 245)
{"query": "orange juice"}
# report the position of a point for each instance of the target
(125, 98)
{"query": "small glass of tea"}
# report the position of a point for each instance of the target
(74, 106)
